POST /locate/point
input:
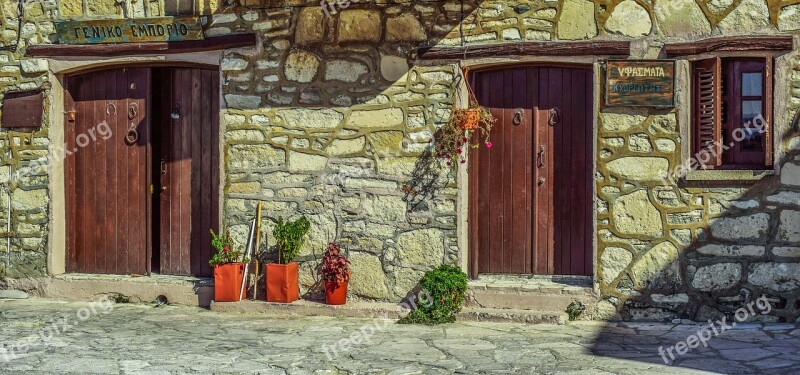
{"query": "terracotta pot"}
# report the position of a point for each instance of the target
(228, 279)
(282, 282)
(470, 118)
(335, 293)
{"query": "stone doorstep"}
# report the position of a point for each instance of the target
(540, 295)
(86, 287)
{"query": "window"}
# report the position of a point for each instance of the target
(732, 113)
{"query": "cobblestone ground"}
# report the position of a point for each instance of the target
(141, 339)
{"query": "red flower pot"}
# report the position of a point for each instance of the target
(228, 279)
(283, 282)
(335, 293)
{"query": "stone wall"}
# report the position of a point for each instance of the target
(692, 250)
(27, 254)
(331, 117)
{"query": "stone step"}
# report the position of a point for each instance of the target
(512, 316)
(189, 291)
(381, 310)
(527, 301)
(353, 309)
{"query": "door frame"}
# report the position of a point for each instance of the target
(468, 257)
(59, 69)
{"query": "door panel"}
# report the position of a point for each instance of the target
(189, 174)
(531, 192)
(107, 234)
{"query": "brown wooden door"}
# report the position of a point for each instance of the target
(188, 169)
(530, 194)
(106, 175)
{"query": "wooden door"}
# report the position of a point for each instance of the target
(188, 169)
(530, 194)
(106, 171)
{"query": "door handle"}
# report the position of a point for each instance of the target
(163, 167)
(541, 157)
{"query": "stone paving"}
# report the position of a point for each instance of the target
(143, 339)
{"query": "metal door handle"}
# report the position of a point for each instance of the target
(541, 157)
(163, 167)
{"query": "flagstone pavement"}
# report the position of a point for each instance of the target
(50, 337)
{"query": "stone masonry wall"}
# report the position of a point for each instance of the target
(330, 117)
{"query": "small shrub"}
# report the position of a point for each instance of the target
(446, 286)
(575, 309)
(289, 238)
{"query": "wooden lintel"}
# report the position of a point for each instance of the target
(588, 48)
(731, 44)
(154, 48)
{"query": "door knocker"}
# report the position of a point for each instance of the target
(111, 109)
(517, 119)
(554, 116)
(132, 111)
(132, 135)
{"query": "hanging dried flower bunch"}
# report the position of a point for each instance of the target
(469, 126)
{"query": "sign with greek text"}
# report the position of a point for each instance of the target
(162, 29)
(640, 83)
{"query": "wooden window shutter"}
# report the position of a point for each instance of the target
(768, 87)
(707, 112)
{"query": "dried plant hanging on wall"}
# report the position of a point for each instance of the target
(469, 126)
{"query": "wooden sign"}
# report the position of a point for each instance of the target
(164, 29)
(640, 83)
(22, 109)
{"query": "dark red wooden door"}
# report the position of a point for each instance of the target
(188, 169)
(106, 175)
(530, 194)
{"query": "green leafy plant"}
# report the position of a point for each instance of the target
(447, 287)
(335, 267)
(289, 237)
(225, 253)
(575, 309)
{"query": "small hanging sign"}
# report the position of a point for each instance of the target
(638, 83)
(129, 30)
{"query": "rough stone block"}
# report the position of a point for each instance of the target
(577, 20)
(717, 277)
(360, 25)
(742, 227)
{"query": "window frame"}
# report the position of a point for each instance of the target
(721, 159)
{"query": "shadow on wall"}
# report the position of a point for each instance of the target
(741, 266)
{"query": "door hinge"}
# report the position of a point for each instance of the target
(152, 189)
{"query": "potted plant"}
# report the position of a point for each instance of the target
(283, 284)
(466, 127)
(336, 274)
(228, 268)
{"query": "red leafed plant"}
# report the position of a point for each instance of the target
(335, 267)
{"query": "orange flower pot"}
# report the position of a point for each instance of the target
(335, 293)
(470, 118)
(282, 282)
(228, 279)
